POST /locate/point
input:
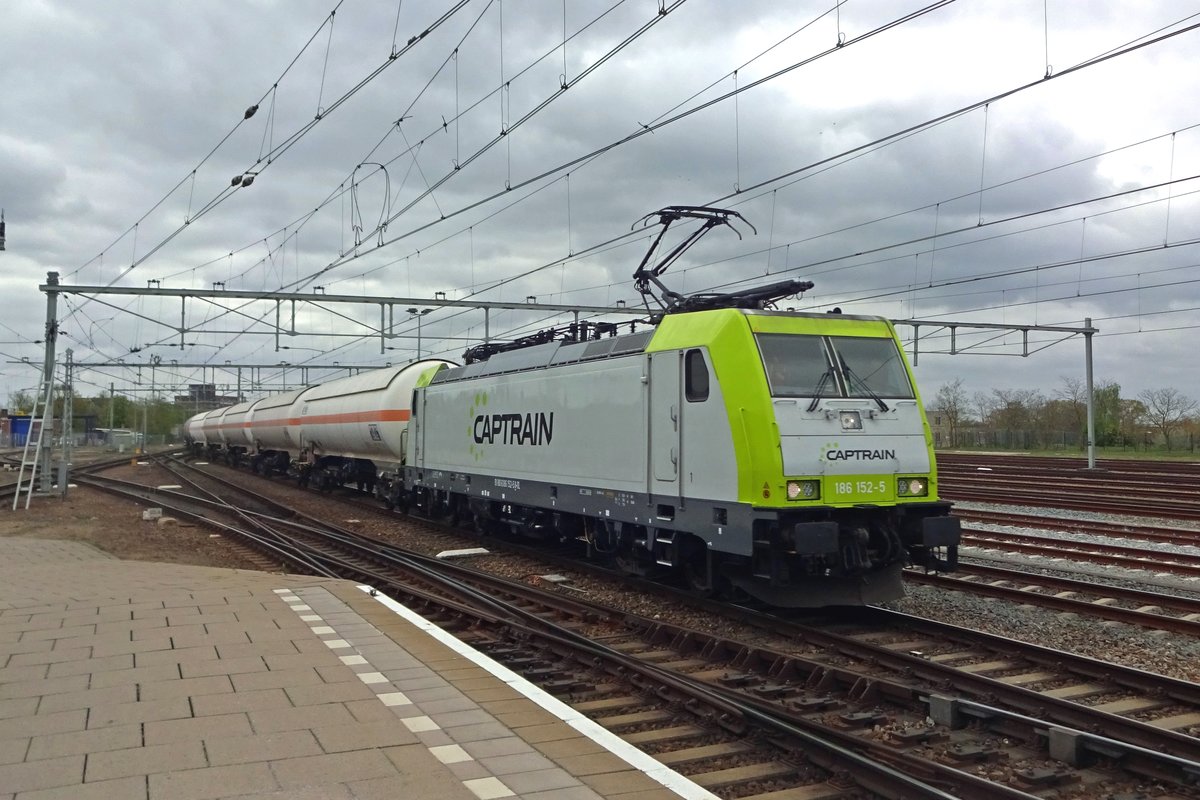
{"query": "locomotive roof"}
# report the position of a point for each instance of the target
(551, 354)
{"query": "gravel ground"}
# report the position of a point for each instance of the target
(115, 526)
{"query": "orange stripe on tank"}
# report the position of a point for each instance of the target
(386, 415)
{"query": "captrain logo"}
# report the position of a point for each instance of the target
(830, 451)
(512, 428)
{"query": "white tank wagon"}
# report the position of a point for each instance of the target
(194, 431)
(352, 430)
(233, 433)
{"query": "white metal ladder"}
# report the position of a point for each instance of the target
(37, 428)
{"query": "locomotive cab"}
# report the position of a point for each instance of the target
(832, 460)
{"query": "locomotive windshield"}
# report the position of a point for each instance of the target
(871, 367)
(800, 366)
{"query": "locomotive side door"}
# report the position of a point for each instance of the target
(665, 423)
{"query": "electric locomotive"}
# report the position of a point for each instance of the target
(752, 452)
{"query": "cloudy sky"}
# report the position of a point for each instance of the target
(391, 164)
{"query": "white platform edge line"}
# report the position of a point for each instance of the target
(643, 762)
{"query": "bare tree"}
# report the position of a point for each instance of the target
(20, 402)
(985, 406)
(1074, 394)
(1166, 410)
(951, 402)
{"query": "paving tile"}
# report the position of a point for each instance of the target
(527, 719)
(265, 649)
(539, 780)
(43, 686)
(186, 687)
(113, 647)
(370, 711)
(335, 692)
(212, 782)
(616, 783)
(82, 742)
(12, 751)
(488, 788)
(181, 730)
(453, 719)
(222, 666)
(155, 673)
(275, 679)
(506, 746)
(565, 748)
(46, 774)
(334, 768)
(360, 735)
(475, 733)
(29, 673)
(110, 714)
(88, 698)
(91, 666)
(517, 762)
(262, 747)
(42, 724)
(450, 754)
(123, 788)
(233, 702)
(446, 706)
(180, 655)
(441, 693)
(535, 734)
(578, 793)
(39, 652)
(146, 760)
(58, 632)
(287, 719)
(592, 763)
(468, 770)
(18, 707)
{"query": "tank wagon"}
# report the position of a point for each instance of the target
(778, 455)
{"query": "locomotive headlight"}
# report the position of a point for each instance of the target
(851, 420)
(912, 487)
(803, 490)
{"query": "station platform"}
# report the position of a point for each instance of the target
(126, 679)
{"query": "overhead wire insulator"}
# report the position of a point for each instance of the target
(237, 181)
(250, 111)
(246, 181)
(1, 229)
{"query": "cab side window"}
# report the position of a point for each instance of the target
(695, 373)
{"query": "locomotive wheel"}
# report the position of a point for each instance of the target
(695, 568)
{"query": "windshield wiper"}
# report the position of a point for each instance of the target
(818, 392)
(866, 387)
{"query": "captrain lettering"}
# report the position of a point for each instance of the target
(859, 455)
(533, 428)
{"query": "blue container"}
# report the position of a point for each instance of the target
(20, 430)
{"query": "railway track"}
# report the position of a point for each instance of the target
(874, 681)
(1139, 558)
(1136, 488)
(1119, 530)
